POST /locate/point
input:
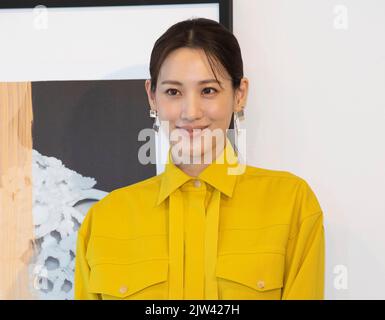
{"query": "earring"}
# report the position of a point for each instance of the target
(240, 115)
(154, 114)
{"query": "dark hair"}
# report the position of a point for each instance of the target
(218, 43)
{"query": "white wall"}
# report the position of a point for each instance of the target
(86, 43)
(316, 108)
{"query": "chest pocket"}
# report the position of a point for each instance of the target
(250, 276)
(135, 281)
(133, 268)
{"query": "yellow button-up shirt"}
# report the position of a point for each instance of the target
(233, 232)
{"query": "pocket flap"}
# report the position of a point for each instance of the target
(260, 271)
(122, 280)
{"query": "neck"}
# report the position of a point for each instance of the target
(193, 169)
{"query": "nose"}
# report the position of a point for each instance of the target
(191, 109)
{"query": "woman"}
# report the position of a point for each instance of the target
(202, 229)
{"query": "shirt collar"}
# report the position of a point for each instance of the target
(216, 174)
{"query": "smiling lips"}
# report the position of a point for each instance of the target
(193, 131)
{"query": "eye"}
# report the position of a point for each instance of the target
(171, 90)
(208, 88)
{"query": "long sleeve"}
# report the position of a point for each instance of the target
(305, 254)
(82, 268)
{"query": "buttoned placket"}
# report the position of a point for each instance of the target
(176, 246)
(193, 242)
(194, 192)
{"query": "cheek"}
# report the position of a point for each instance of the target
(220, 114)
(169, 112)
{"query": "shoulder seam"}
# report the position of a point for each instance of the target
(278, 173)
(303, 220)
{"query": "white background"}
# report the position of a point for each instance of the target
(317, 108)
(316, 104)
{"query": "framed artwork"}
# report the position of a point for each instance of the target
(72, 102)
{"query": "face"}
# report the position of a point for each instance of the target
(195, 106)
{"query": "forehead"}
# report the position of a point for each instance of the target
(190, 65)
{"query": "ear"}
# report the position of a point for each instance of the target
(150, 94)
(241, 93)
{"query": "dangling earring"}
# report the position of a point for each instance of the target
(240, 115)
(237, 116)
(154, 114)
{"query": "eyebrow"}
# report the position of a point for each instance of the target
(181, 84)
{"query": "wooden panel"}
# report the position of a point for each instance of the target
(16, 220)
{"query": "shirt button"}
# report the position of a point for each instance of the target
(197, 183)
(261, 284)
(123, 289)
